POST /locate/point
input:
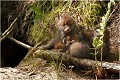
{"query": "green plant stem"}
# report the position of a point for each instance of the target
(96, 57)
(102, 51)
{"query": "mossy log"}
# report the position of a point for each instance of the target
(69, 60)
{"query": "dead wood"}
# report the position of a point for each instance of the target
(20, 43)
(68, 59)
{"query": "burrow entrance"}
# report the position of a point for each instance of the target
(11, 53)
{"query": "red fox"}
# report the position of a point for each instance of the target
(66, 26)
(69, 39)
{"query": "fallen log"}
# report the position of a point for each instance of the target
(68, 59)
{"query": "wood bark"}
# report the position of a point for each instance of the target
(69, 60)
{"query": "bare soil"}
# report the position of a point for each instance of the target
(114, 29)
(45, 71)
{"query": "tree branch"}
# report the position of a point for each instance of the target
(20, 43)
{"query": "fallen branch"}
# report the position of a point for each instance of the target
(68, 59)
(20, 43)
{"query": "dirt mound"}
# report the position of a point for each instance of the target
(114, 29)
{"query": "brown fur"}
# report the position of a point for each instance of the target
(80, 50)
(66, 26)
(69, 39)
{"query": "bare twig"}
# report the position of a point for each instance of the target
(20, 43)
(7, 32)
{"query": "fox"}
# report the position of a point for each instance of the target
(66, 26)
(75, 40)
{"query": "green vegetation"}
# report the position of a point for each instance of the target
(87, 14)
(98, 41)
(44, 14)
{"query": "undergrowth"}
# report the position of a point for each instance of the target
(44, 14)
(87, 14)
(98, 40)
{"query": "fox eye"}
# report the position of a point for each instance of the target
(64, 24)
(68, 23)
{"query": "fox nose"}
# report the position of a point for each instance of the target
(67, 29)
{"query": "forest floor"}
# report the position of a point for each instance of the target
(43, 72)
(47, 71)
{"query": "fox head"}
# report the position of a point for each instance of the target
(66, 23)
